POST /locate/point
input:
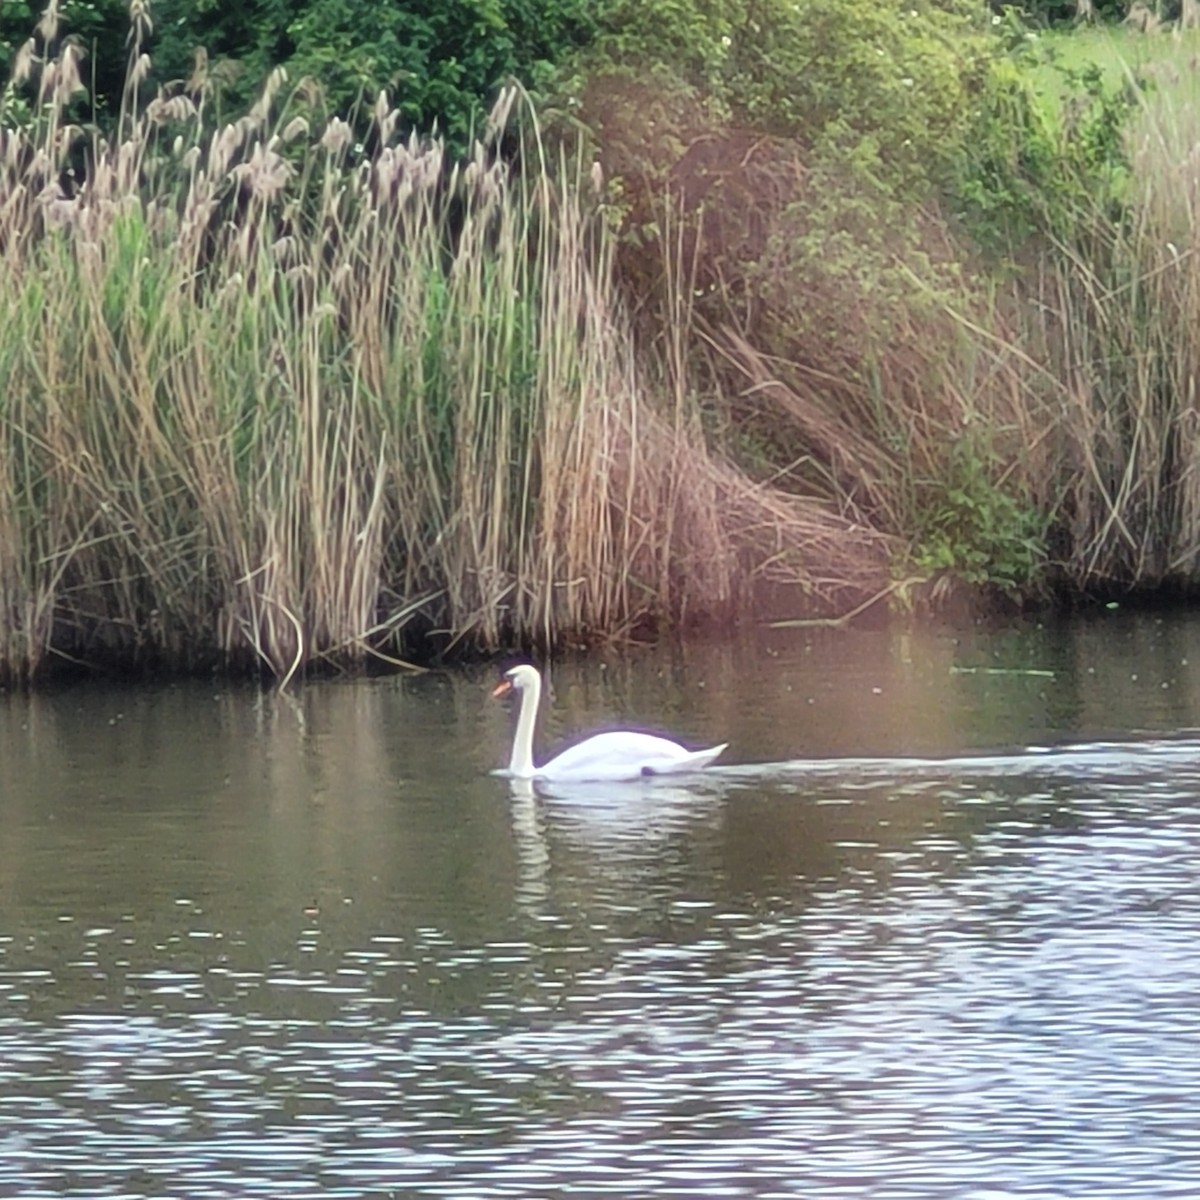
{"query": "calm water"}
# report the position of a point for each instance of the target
(931, 933)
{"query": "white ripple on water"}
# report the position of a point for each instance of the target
(1142, 761)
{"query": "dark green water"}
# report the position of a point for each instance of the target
(929, 933)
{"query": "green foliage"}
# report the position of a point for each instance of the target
(441, 60)
(805, 139)
(893, 78)
(1026, 167)
(1061, 12)
(690, 37)
(808, 149)
(972, 528)
(838, 275)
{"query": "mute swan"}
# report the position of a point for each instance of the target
(607, 757)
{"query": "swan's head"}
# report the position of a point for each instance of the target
(517, 679)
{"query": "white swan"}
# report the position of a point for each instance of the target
(607, 757)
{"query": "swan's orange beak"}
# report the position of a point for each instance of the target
(502, 688)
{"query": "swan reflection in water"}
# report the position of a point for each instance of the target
(650, 793)
(623, 828)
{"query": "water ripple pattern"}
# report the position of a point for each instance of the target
(984, 985)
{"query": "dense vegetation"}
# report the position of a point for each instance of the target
(442, 60)
(861, 299)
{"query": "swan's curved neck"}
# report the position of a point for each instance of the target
(520, 766)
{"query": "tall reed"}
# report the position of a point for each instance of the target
(1117, 315)
(856, 359)
(266, 396)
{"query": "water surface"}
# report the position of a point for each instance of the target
(928, 933)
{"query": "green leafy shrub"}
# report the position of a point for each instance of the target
(1025, 168)
(974, 529)
(809, 182)
(893, 76)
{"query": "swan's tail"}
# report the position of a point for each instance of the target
(687, 762)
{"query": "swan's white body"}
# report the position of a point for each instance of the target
(607, 757)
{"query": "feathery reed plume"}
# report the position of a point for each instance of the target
(267, 401)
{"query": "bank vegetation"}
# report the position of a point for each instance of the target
(308, 387)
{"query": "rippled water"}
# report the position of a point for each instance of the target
(929, 933)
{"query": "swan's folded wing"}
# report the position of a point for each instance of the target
(625, 755)
(695, 760)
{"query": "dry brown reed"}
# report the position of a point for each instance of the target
(269, 399)
(878, 380)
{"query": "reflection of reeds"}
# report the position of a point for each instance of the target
(267, 397)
